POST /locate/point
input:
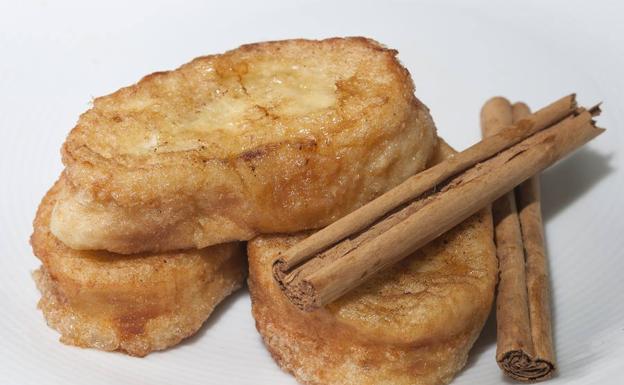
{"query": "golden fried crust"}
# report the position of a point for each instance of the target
(270, 137)
(134, 304)
(413, 323)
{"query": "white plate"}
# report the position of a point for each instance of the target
(55, 56)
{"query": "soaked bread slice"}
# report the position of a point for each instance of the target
(413, 323)
(129, 303)
(270, 137)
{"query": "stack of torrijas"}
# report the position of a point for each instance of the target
(139, 238)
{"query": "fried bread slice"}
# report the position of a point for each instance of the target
(129, 303)
(413, 323)
(270, 137)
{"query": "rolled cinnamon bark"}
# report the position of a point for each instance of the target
(536, 264)
(419, 183)
(323, 277)
(516, 349)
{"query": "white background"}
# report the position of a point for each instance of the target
(56, 55)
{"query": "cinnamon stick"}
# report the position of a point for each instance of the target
(512, 315)
(538, 288)
(528, 199)
(418, 184)
(428, 205)
(523, 322)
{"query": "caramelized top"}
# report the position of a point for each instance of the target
(221, 105)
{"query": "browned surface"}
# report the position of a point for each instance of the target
(410, 324)
(271, 137)
(135, 304)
